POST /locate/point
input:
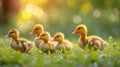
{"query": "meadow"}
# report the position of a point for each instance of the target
(102, 18)
(109, 57)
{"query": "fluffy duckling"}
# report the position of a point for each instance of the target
(19, 44)
(48, 45)
(62, 42)
(95, 42)
(37, 30)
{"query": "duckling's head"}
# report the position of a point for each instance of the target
(13, 33)
(37, 29)
(59, 37)
(45, 36)
(80, 29)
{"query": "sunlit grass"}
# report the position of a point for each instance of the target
(74, 58)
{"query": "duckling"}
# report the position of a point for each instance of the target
(19, 44)
(48, 45)
(62, 42)
(37, 30)
(94, 42)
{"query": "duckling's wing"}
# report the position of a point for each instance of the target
(24, 44)
(16, 46)
(31, 45)
(68, 44)
(51, 45)
(96, 43)
(54, 43)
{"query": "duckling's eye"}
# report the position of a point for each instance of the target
(11, 32)
(37, 29)
(58, 36)
(79, 28)
(43, 35)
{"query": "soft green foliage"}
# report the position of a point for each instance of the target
(102, 18)
(109, 57)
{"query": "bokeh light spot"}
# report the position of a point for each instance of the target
(25, 15)
(71, 3)
(86, 8)
(77, 19)
(112, 17)
(96, 13)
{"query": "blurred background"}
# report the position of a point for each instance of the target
(102, 17)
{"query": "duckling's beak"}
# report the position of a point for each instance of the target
(6, 36)
(38, 38)
(31, 33)
(74, 32)
(53, 39)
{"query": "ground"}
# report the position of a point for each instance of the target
(109, 57)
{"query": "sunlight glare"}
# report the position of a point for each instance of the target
(26, 15)
(24, 25)
(36, 11)
(37, 2)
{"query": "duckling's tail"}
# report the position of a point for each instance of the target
(106, 44)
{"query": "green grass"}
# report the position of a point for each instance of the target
(110, 57)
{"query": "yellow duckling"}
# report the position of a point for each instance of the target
(48, 45)
(95, 42)
(37, 30)
(62, 42)
(19, 44)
